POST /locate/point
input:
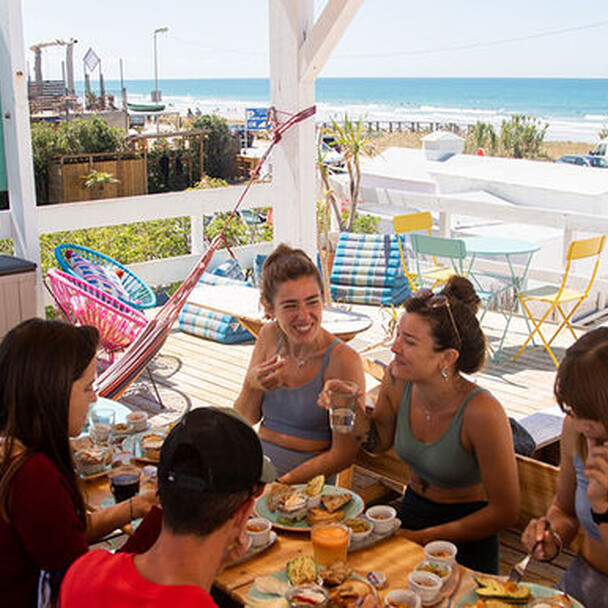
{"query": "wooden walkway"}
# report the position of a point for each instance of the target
(191, 372)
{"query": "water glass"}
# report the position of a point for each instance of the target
(343, 404)
(101, 424)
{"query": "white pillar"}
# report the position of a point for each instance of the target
(294, 196)
(17, 138)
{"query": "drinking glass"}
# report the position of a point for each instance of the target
(329, 543)
(100, 427)
(124, 482)
(343, 404)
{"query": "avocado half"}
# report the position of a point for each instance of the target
(511, 592)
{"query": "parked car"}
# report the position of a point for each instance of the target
(583, 160)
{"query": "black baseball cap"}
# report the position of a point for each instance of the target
(214, 450)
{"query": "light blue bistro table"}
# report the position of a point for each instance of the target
(509, 249)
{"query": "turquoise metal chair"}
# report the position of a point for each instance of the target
(136, 293)
(451, 251)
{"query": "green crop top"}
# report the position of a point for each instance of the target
(444, 463)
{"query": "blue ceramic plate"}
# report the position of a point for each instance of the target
(538, 591)
(352, 509)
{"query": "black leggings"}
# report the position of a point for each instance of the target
(417, 513)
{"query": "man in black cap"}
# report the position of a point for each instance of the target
(211, 470)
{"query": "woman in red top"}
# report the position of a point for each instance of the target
(47, 370)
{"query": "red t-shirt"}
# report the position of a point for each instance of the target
(44, 531)
(100, 579)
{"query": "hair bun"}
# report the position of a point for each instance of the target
(460, 289)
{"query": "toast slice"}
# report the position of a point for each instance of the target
(317, 515)
(276, 489)
(333, 502)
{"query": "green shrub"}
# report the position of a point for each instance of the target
(522, 137)
(220, 148)
(482, 135)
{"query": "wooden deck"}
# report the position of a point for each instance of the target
(191, 372)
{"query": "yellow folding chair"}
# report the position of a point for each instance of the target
(555, 297)
(417, 222)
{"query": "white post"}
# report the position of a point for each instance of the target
(293, 159)
(17, 137)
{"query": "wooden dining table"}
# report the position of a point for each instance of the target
(395, 556)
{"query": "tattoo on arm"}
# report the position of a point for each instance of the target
(372, 440)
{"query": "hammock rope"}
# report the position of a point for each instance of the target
(117, 377)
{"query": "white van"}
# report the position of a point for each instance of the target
(601, 149)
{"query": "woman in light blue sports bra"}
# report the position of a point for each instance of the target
(581, 501)
(454, 436)
(293, 358)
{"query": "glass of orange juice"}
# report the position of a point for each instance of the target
(329, 543)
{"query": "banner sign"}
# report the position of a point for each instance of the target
(91, 60)
(256, 119)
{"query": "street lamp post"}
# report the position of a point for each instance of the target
(156, 96)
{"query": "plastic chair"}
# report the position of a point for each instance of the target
(453, 250)
(83, 304)
(556, 296)
(417, 222)
(140, 295)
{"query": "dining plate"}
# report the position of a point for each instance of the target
(538, 591)
(352, 509)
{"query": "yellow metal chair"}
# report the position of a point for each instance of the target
(558, 296)
(417, 222)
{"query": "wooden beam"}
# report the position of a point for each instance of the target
(325, 35)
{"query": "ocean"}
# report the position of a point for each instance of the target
(575, 109)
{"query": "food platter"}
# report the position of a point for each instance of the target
(257, 598)
(351, 510)
(538, 591)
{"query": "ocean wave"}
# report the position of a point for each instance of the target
(599, 117)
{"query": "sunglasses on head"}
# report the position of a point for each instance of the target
(434, 300)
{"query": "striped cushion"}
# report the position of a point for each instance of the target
(367, 270)
(98, 276)
(209, 324)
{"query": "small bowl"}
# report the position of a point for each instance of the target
(138, 421)
(258, 530)
(307, 596)
(441, 551)
(358, 522)
(443, 571)
(382, 518)
(425, 584)
(91, 461)
(294, 509)
(402, 598)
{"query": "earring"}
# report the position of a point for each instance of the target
(444, 374)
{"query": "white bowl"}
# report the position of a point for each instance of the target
(441, 551)
(382, 517)
(402, 598)
(359, 536)
(443, 571)
(425, 584)
(258, 530)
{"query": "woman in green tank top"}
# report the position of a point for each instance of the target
(454, 436)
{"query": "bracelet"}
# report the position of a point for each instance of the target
(559, 545)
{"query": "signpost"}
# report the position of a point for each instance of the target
(256, 119)
(3, 177)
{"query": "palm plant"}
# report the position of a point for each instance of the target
(97, 180)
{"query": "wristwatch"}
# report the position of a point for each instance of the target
(600, 518)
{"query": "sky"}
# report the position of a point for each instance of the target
(401, 38)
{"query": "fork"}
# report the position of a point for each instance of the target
(517, 572)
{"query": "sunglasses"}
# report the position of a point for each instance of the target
(433, 301)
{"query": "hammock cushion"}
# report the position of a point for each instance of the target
(98, 276)
(209, 324)
(367, 270)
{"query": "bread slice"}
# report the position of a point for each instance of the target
(317, 515)
(276, 489)
(333, 502)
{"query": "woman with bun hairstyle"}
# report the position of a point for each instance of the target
(581, 501)
(454, 436)
(47, 370)
(293, 358)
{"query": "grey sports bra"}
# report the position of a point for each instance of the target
(294, 411)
